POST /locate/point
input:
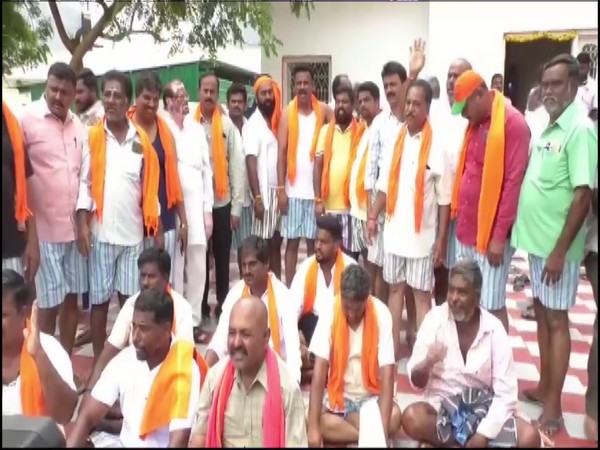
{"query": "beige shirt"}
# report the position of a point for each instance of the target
(244, 412)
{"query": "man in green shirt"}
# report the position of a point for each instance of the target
(554, 202)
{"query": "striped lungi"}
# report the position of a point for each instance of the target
(416, 272)
(243, 231)
(560, 296)
(267, 227)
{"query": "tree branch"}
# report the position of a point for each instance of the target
(67, 41)
(103, 4)
(118, 37)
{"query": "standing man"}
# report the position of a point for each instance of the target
(336, 150)
(148, 89)
(587, 92)
(227, 161)
(118, 199)
(557, 192)
(195, 176)
(54, 140)
(488, 180)
(299, 129)
(260, 146)
(414, 189)
(237, 103)
(368, 108)
(20, 247)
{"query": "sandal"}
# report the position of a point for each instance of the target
(551, 428)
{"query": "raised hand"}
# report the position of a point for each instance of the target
(417, 56)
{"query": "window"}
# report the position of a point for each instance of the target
(321, 67)
(592, 50)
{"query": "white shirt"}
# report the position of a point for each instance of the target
(325, 294)
(11, 394)
(451, 130)
(122, 219)
(321, 343)
(288, 325)
(384, 132)
(303, 185)
(489, 364)
(259, 141)
(129, 380)
(537, 121)
(399, 235)
(588, 94)
(356, 210)
(120, 336)
(195, 174)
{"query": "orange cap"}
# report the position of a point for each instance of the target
(463, 88)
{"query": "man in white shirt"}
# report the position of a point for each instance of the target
(454, 332)
(37, 376)
(116, 201)
(588, 88)
(154, 266)
(414, 184)
(317, 281)
(195, 175)
(157, 411)
(258, 281)
(259, 137)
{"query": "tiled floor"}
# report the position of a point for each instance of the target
(525, 350)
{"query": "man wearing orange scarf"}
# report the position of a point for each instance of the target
(335, 153)
(414, 191)
(37, 376)
(156, 381)
(490, 170)
(118, 200)
(259, 137)
(148, 90)
(355, 362)
(299, 129)
(261, 283)
(229, 174)
(20, 248)
(249, 399)
(368, 106)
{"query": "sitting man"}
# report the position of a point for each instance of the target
(317, 282)
(353, 346)
(155, 379)
(261, 283)
(154, 265)
(452, 333)
(249, 398)
(37, 376)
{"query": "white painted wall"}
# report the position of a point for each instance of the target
(13, 98)
(360, 37)
(475, 30)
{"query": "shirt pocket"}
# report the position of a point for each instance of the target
(131, 165)
(550, 166)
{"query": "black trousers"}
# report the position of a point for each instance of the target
(220, 246)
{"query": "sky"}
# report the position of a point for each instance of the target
(139, 52)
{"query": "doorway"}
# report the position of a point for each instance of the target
(522, 65)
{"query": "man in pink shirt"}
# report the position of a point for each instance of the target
(461, 346)
(54, 141)
(472, 182)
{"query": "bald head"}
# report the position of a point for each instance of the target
(457, 67)
(251, 310)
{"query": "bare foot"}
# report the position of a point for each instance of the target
(590, 427)
(532, 396)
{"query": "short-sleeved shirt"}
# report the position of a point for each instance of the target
(321, 347)
(13, 240)
(11, 394)
(130, 380)
(244, 411)
(563, 158)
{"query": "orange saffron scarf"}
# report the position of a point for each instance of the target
(169, 396)
(293, 135)
(219, 151)
(273, 423)
(357, 131)
(273, 314)
(493, 173)
(97, 142)
(310, 284)
(340, 352)
(274, 125)
(361, 192)
(394, 178)
(16, 138)
(33, 403)
(174, 193)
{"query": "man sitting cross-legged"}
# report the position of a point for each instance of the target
(156, 381)
(463, 356)
(353, 346)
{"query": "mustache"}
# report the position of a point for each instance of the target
(239, 350)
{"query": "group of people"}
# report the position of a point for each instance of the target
(116, 198)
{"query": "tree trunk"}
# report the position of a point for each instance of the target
(76, 62)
